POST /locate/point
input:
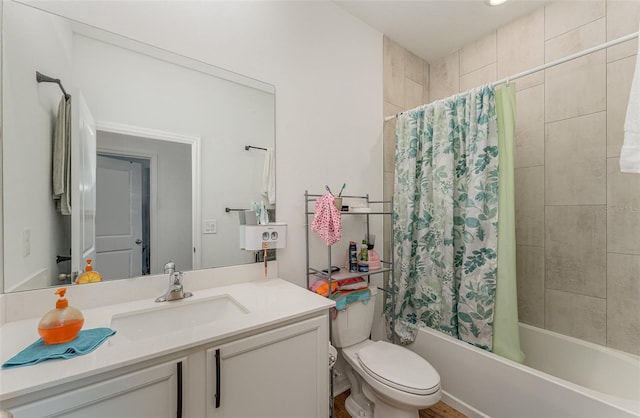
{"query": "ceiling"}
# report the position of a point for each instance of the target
(432, 29)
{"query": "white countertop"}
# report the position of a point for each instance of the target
(268, 302)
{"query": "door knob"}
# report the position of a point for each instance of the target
(138, 241)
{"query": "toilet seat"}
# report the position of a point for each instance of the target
(399, 368)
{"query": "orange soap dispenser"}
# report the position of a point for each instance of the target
(89, 275)
(61, 324)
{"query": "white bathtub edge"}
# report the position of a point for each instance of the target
(461, 406)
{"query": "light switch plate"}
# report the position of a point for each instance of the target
(210, 226)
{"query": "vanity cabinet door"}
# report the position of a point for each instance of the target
(153, 392)
(280, 373)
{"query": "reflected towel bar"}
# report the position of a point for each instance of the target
(41, 78)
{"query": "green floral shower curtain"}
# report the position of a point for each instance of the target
(445, 218)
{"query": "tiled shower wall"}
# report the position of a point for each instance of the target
(577, 216)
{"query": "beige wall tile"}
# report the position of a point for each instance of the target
(444, 77)
(529, 136)
(578, 87)
(575, 315)
(575, 161)
(529, 202)
(413, 94)
(622, 18)
(478, 77)
(393, 72)
(414, 67)
(619, 77)
(520, 47)
(623, 210)
(577, 40)
(391, 109)
(426, 95)
(530, 281)
(478, 54)
(623, 302)
(575, 249)
(565, 15)
(389, 146)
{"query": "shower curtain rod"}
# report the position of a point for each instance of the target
(552, 63)
(41, 78)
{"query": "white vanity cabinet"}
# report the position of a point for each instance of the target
(280, 373)
(154, 392)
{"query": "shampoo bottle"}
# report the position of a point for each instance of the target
(61, 324)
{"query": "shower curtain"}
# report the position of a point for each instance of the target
(446, 206)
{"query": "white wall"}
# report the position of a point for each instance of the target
(327, 69)
(37, 43)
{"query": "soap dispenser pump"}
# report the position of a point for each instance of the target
(61, 324)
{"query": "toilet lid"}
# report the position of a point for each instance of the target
(399, 368)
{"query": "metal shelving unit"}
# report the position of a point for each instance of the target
(387, 266)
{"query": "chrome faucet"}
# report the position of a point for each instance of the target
(176, 290)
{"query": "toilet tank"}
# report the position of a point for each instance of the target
(353, 324)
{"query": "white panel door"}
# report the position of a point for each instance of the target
(118, 218)
(83, 167)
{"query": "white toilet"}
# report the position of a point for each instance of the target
(386, 380)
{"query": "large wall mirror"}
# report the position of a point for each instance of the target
(156, 154)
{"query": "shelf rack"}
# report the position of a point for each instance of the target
(387, 266)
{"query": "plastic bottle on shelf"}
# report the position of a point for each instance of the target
(353, 257)
(363, 263)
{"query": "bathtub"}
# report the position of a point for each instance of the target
(563, 377)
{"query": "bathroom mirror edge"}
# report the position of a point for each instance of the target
(198, 212)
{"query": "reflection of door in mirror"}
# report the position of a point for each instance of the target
(164, 210)
(120, 217)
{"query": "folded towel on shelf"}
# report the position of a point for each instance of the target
(630, 152)
(87, 341)
(343, 299)
(354, 283)
(269, 176)
(321, 287)
(327, 221)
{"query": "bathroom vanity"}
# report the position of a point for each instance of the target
(254, 349)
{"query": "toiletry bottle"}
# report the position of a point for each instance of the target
(89, 275)
(363, 264)
(353, 257)
(61, 324)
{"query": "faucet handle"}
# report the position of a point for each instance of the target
(170, 267)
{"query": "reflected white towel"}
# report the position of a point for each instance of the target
(61, 156)
(630, 152)
(269, 177)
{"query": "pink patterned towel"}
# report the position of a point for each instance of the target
(327, 221)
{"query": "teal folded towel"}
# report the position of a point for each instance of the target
(87, 341)
(343, 299)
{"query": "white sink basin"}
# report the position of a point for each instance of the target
(170, 317)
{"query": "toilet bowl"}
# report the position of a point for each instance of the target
(386, 380)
